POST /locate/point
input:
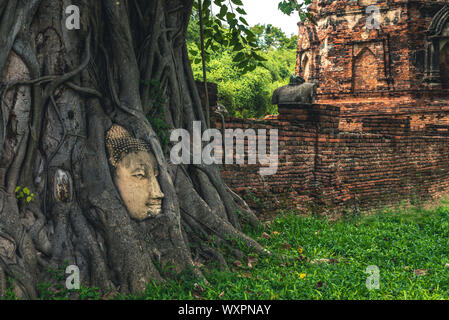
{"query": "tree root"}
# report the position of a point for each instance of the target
(91, 227)
(2, 283)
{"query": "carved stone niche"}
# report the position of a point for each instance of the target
(437, 50)
(296, 92)
(62, 186)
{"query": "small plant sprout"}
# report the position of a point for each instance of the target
(24, 194)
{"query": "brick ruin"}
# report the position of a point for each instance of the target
(378, 132)
(400, 70)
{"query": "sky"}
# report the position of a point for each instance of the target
(267, 12)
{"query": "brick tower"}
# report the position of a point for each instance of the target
(379, 59)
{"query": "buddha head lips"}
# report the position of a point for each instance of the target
(135, 173)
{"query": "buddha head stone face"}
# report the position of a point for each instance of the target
(135, 173)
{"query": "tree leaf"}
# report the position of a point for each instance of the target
(241, 11)
(243, 20)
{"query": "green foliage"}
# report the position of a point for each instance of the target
(397, 241)
(58, 291)
(290, 6)
(271, 37)
(245, 84)
(244, 54)
(318, 259)
(156, 115)
(226, 29)
(229, 29)
(88, 293)
(9, 293)
(24, 194)
(248, 95)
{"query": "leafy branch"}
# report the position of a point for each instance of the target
(228, 28)
(290, 6)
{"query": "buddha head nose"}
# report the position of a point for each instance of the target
(155, 189)
(159, 194)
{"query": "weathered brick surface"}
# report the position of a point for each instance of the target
(319, 165)
(379, 131)
(379, 71)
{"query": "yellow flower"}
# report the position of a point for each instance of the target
(275, 233)
(300, 250)
(302, 275)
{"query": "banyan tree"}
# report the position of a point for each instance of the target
(84, 177)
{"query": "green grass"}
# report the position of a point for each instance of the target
(397, 241)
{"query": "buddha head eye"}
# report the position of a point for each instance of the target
(139, 174)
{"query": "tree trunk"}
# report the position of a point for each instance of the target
(61, 91)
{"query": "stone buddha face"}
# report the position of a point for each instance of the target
(135, 174)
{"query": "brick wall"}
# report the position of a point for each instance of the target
(379, 130)
(374, 72)
(322, 167)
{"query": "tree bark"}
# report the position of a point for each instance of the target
(61, 90)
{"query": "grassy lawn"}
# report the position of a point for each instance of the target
(409, 246)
